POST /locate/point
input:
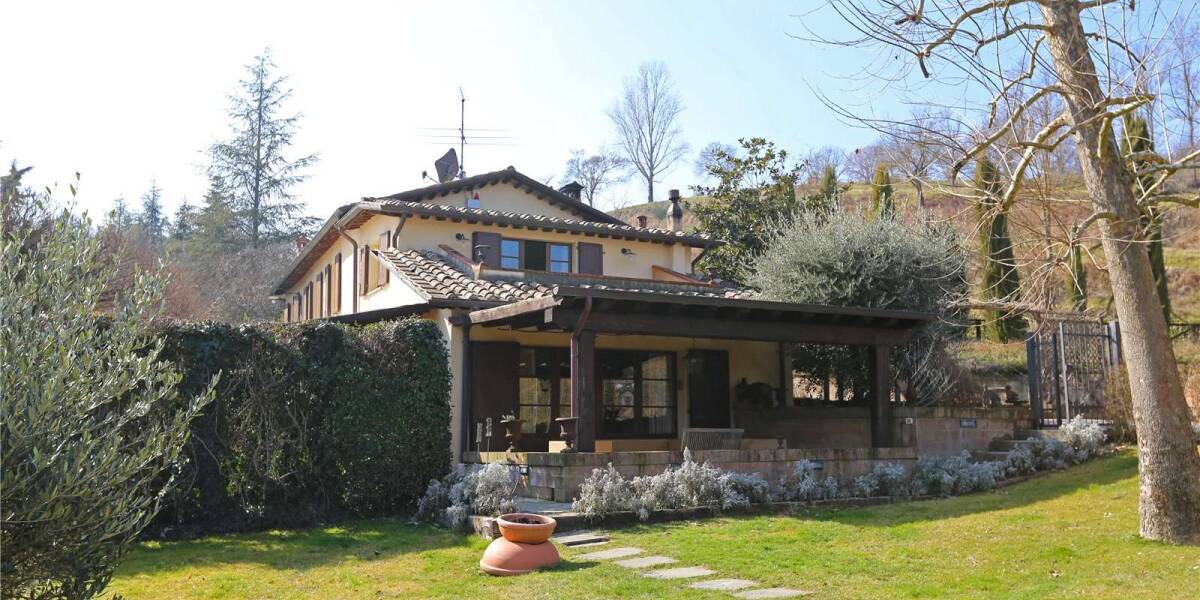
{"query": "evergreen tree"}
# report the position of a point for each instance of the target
(1001, 282)
(152, 221)
(254, 164)
(1077, 286)
(119, 217)
(882, 194)
(1138, 145)
(216, 226)
(185, 221)
(829, 184)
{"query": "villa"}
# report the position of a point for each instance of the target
(605, 343)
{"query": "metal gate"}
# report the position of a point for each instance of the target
(1068, 363)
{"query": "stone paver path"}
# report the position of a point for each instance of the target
(770, 593)
(579, 539)
(611, 554)
(737, 587)
(679, 573)
(645, 562)
(724, 585)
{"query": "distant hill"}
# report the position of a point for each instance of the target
(1065, 207)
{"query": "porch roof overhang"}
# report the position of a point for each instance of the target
(618, 312)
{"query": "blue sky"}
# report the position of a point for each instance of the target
(138, 91)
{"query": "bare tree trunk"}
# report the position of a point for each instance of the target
(1169, 466)
(920, 185)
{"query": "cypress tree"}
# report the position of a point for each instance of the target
(829, 184)
(1138, 146)
(152, 220)
(882, 193)
(1000, 278)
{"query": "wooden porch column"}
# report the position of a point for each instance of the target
(583, 405)
(881, 387)
(464, 387)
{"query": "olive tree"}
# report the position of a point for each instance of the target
(843, 258)
(91, 420)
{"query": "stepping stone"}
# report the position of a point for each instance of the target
(645, 561)
(679, 573)
(587, 545)
(610, 554)
(770, 593)
(724, 585)
(579, 539)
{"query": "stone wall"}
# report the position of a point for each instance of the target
(557, 476)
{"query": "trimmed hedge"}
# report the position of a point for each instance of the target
(311, 422)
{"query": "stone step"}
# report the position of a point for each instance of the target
(679, 573)
(611, 554)
(771, 593)
(645, 562)
(724, 585)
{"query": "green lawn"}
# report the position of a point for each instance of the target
(1069, 535)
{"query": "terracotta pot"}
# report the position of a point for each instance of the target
(535, 529)
(512, 433)
(503, 557)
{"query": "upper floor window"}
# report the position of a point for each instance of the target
(535, 256)
(473, 201)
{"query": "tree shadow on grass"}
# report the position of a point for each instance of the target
(376, 539)
(1101, 471)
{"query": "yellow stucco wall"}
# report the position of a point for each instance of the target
(428, 234)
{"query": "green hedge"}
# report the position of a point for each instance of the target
(310, 423)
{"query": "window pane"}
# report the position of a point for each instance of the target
(618, 402)
(527, 362)
(655, 367)
(656, 393)
(535, 419)
(560, 267)
(535, 256)
(560, 252)
(510, 248)
(659, 420)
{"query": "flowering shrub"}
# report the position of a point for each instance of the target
(604, 492)
(884, 479)
(954, 475)
(752, 487)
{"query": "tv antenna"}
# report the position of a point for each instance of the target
(462, 133)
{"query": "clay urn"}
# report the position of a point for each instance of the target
(522, 547)
(568, 432)
(513, 433)
(526, 528)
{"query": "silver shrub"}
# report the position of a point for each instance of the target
(752, 487)
(866, 485)
(1020, 461)
(1084, 437)
(806, 485)
(604, 492)
(487, 490)
(954, 475)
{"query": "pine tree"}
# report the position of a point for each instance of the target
(152, 221)
(1077, 285)
(882, 194)
(829, 184)
(216, 226)
(1138, 144)
(253, 163)
(1001, 282)
(119, 217)
(185, 221)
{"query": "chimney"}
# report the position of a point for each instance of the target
(676, 211)
(301, 242)
(573, 189)
(642, 221)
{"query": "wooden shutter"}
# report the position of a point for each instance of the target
(320, 291)
(337, 286)
(495, 387)
(366, 268)
(385, 242)
(708, 388)
(485, 248)
(591, 259)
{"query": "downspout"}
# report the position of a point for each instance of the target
(353, 270)
(583, 316)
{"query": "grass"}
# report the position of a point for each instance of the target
(1068, 535)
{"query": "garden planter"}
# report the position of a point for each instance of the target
(568, 432)
(526, 528)
(512, 433)
(522, 547)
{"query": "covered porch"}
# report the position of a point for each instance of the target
(636, 371)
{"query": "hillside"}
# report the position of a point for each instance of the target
(1027, 224)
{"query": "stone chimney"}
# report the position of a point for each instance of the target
(642, 221)
(676, 211)
(301, 242)
(573, 189)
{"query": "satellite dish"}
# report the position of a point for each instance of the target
(447, 166)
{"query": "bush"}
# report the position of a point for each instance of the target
(805, 485)
(954, 475)
(1084, 437)
(311, 422)
(481, 490)
(752, 487)
(92, 420)
(604, 492)
(846, 259)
